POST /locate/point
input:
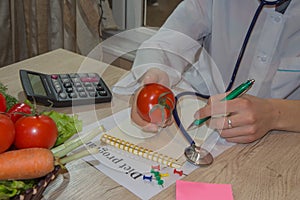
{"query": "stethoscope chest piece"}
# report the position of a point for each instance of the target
(198, 156)
(194, 154)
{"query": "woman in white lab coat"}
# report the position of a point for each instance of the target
(176, 53)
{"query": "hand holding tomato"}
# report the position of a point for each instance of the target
(154, 105)
(35, 131)
(153, 75)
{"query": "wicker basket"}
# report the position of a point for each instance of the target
(36, 192)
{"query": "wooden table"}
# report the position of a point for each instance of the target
(268, 169)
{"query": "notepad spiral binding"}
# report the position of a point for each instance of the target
(140, 151)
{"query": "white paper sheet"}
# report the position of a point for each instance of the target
(131, 171)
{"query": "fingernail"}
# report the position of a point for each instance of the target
(150, 128)
(197, 115)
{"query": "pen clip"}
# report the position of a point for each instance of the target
(246, 90)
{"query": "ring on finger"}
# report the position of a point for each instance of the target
(229, 123)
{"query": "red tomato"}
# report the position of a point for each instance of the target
(155, 103)
(18, 110)
(2, 103)
(35, 131)
(7, 132)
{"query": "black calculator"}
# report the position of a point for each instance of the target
(63, 90)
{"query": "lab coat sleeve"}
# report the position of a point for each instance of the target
(176, 45)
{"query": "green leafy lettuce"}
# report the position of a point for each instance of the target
(12, 188)
(10, 100)
(67, 125)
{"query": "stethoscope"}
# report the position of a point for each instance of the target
(195, 154)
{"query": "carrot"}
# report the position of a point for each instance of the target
(31, 163)
(26, 163)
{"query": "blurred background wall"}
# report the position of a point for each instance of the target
(32, 27)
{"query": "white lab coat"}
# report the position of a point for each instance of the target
(272, 56)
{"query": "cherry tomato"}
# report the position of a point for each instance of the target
(2, 103)
(7, 132)
(18, 110)
(155, 103)
(35, 131)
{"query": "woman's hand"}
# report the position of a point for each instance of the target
(251, 117)
(153, 75)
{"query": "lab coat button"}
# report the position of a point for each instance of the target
(262, 58)
(277, 19)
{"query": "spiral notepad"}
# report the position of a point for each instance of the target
(140, 151)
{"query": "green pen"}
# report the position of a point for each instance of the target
(240, 90)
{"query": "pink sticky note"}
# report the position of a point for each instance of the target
(207, 191)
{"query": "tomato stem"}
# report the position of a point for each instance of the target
(161, 108)
(162, 105)
(162, 100)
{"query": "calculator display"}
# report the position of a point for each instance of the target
(37, 84)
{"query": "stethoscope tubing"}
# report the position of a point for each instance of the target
(176, 116)
(246, 40)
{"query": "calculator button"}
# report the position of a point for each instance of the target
(65, 80)
(77, 84)
(63, 95)
(99, 83)
(56, 86)
(75, 80)
(58, 89)
(87, 84)
(67, 85)
(83, 75)
(102, 93)
(80, 89)
(72, 95)
(93, 94)
(55, 82)
(99, 88)
(69, 90)
(54, 76)
(73, 75)
(90, 88)
(82, 94)
(89, 79)
(63, 76)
